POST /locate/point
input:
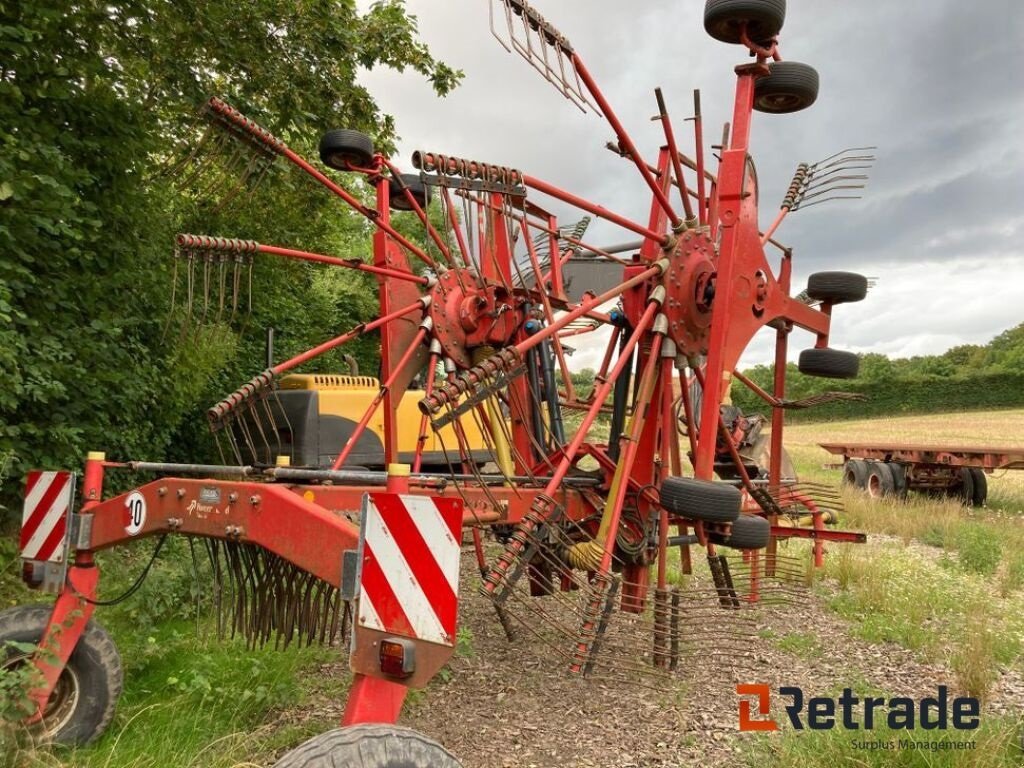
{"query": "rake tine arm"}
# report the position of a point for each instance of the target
(420, 213)
(673, 150)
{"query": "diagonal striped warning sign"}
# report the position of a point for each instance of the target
(44, 516)
(409, 561)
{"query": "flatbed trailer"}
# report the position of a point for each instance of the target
(892, 469)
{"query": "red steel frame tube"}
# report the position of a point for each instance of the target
(291, 253)
(625, 142)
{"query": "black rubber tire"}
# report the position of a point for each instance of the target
(341, 147)
(703, 500)
(764, 18)
(855, 473)
(829, 363)
(93, 675)
(369, 746)
(748, 532)
(880, 483)
(964, 489)
(979, 494)
(419, 191)
(837, 287)
(790, 87)
(899, 478)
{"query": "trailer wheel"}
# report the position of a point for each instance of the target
(748, 532)
(341, 148)
(703, 500)
(764, 18)
(880, 482)
(964, 488)
(855, 473)
(82, 705)
(790, 87)
(979, 493)
(837, 287)
(828, 363)
(369, 746)
(415, 185)
(899, 478)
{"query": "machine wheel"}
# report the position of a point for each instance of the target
(880, 482)
(748, 532)
(703, 500)
(899, 478)
(855, 473)
(341, 148)
(82, 705)
(837, 287)
(980, 490)
(764, 18)
(829, 363)
(790, 87)
(369, 746)
(415, 185)
(964, 489)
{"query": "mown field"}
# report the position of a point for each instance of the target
(938, 592)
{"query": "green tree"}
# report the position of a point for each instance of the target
(94, 106)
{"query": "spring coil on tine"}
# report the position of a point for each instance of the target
(503, 361)
(248, 391)
(231, 117)
(795, 186)
(445, 165)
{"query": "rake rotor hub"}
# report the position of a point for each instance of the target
(469, 312)
(689, 288)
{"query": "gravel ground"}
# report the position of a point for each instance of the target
(505, 704)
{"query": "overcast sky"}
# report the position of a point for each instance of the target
(937, 85)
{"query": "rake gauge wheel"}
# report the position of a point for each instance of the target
(724, 19)
(837, 287)
(829, 363)
(414, 184)
(82, 704)
(748, 532)
(341, 148)
(790, 87)
(703, 500)
(369, 746)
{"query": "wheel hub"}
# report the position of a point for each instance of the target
(690, 289)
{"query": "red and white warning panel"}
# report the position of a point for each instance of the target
(44, 518)
(409, 566)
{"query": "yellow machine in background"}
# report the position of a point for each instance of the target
(322, 411)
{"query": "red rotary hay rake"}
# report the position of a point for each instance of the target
(483, 298)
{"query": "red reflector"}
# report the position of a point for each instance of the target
(397, 657)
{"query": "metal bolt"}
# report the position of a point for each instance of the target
(181, 493)
(161, 491)
(232, 497)
(254, 499)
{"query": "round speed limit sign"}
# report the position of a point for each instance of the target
(135, 506)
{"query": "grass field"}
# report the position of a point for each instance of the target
(941, 581)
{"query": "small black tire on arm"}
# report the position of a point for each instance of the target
(837, 287)
(979, 492)
(369, 746)
(342, 148)
(703, 500)
(828, 363)
(855, 473)
(748, 532)
(419, 190)
(723, 19)
(790, 87)
(82, 704)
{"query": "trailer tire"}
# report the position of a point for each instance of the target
(703, 500)
(979, 494)
(748, 532)
(415, 184)
(764, 18)
(82, 705)
(899, 478)
(964, 488)
(829, 363)
(855, 473)
(880, 482)
(790, 87)
(837, 287)
(369, 746)
(341, 148)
